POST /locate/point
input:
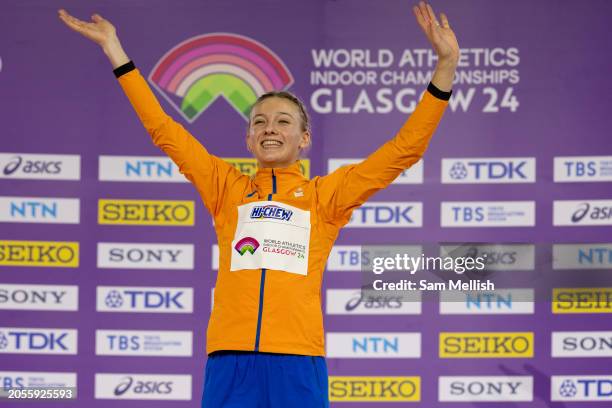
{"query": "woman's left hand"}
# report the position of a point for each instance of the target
(439, 33)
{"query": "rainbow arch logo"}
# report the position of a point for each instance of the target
(193, 74)
(246, 244)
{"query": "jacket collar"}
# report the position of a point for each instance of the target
(287, 178)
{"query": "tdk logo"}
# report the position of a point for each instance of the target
(489, 170)
(388, 215)
(271, 211)
(583, 168)
(142, 299)
(581, 388)
(39, 166)
(37, 341)
(578, 213)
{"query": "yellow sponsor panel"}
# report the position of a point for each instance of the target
(486, 345)
(371, 389)
(248, 165)
(146, 212)
(582, 300)
(39, 253)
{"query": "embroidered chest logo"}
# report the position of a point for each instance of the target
(271, 211)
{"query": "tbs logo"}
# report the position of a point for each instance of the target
(489, 170)
(144, 299)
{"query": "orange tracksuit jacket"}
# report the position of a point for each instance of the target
(271, 310)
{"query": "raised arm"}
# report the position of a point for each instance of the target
(350, 186)
(210, 175)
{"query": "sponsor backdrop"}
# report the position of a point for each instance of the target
(108, 257)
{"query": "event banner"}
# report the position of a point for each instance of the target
(481, 274)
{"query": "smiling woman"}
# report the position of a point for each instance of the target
(265, 339)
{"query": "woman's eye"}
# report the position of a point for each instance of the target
(283, 121)
(257, 122)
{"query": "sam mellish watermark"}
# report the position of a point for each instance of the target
(412, 264)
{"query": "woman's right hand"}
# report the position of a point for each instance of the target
(99, 30)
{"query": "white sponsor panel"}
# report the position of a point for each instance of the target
(39, 297)
(485, 388)
(141, 299)
(487, 213)
(506, 257)
(491, 170)
(500, 301)
(139, 168)
(44, 210)
(577, 213)
(37, 379)
(373, 345)
(582, 256)
(40, 166)
(344, 258)
(413, 175)
(356, 302)
(168, 343)
(123, 255)
(271, 235)
(34, 340)
(214, 260)
(387, 215)
(582, 344)
(582, 168)
(581, 388)
(352, 258)
(143, 386)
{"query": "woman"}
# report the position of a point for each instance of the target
(275, 230)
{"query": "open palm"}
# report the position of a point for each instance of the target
(441, 36)
(99, 30)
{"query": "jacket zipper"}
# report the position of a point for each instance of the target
(262, 282)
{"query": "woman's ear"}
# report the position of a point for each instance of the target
(306, 141)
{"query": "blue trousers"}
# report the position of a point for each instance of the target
(235, 379)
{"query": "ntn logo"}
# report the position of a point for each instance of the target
(149, 168)
(485, 300)
(602, 255)
(34, 209)
(376, 345)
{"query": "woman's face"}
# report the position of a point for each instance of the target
(275, 135)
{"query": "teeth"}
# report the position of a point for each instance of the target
(266, 143)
